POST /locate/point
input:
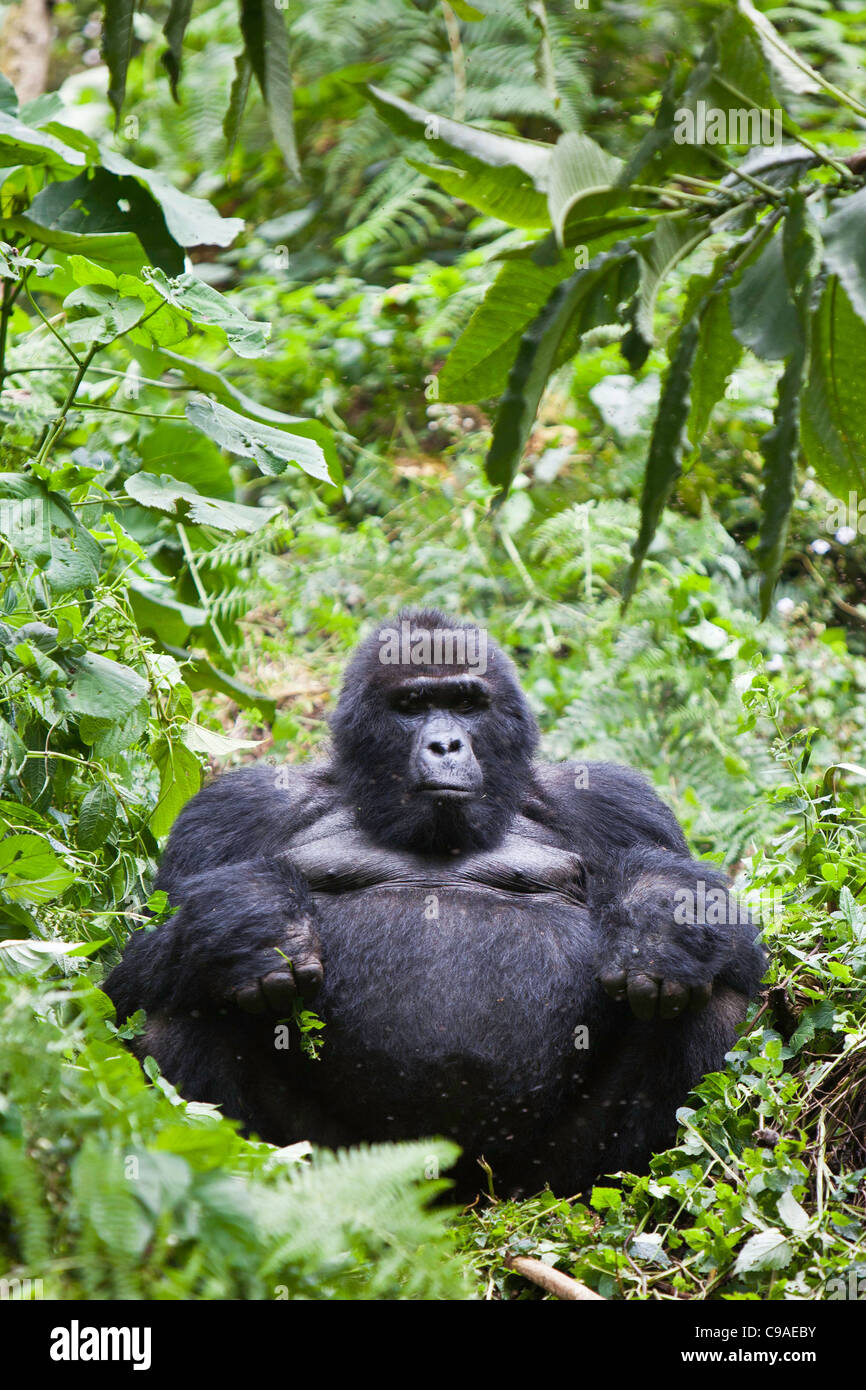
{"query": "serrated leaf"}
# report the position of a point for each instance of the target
(765, 1250)
(174, 29)
(213, 383)
(844, 237)
(240, 90)
(582, 180)
(791, 1213)
(164, 492)
(204, 304)
(272, 449)
(104, 688)
(583, 301)
(792, 68)
(179, 779)
(117, 37)
(833, 423)
(671, 241)
(479, 363)
(780, 445)
(523, 165)
(263, 25)
(214, 744)
(96, 817)
(501, 192)
(669, 440)
(762, 311)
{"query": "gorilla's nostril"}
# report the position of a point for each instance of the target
(437, 748)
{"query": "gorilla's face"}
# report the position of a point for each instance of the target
(436, 758)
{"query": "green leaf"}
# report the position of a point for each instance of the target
(833, 422)
(522, 166)
(844, 237)
(104, 688)
(765, 1250)
(467, 12)
(96, 817)
(190, 221)
(478, 365)
(156, 610)
(201, 674)
(718, 351)
(582, 181)
(117, 37)
(174, 29)
(762, 311)
(272, 449)
(23, 144)
(263, 26)
(163, 493)
(33, 874)
(792, 68)
(179, 779)
(583, 301)
(670, 241)
(237, 101)
(668, 442)
(780, 445)
(500, 192)
(206, 305)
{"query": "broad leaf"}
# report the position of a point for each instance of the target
(582, 181)
(273, 450)
(206, 305)
(96, 817)
(179, 779)
(163, 493)
(104, 688)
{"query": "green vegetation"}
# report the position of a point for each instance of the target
(236, 430)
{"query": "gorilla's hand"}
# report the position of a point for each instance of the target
(669, 927)
(244, 935)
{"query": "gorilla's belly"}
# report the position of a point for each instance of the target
(455, 1009)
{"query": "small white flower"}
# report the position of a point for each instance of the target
(820, 547)
(845, 535)
(785, 607)
(775, 663)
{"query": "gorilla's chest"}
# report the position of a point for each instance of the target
(446, 978)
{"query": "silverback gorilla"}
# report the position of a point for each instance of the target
(519, 955)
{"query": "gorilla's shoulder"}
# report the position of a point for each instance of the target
(246, 812)
(608, 801)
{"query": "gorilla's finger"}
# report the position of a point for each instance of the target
(701, 996)
(672, 999)
(250, 998)
(643, 993)
(613, 982)
(278, 987)
(308, 974)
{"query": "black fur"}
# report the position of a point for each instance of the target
(473, 911)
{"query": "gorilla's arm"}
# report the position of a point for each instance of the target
(668, 926)
(245, 930)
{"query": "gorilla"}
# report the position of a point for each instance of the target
(519, 955)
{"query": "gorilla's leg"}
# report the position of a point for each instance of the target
(626, 1110)
(230, 1060)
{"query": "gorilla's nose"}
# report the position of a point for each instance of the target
(440, 747)
(445, 758)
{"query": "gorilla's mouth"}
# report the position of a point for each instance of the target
(446, 790)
